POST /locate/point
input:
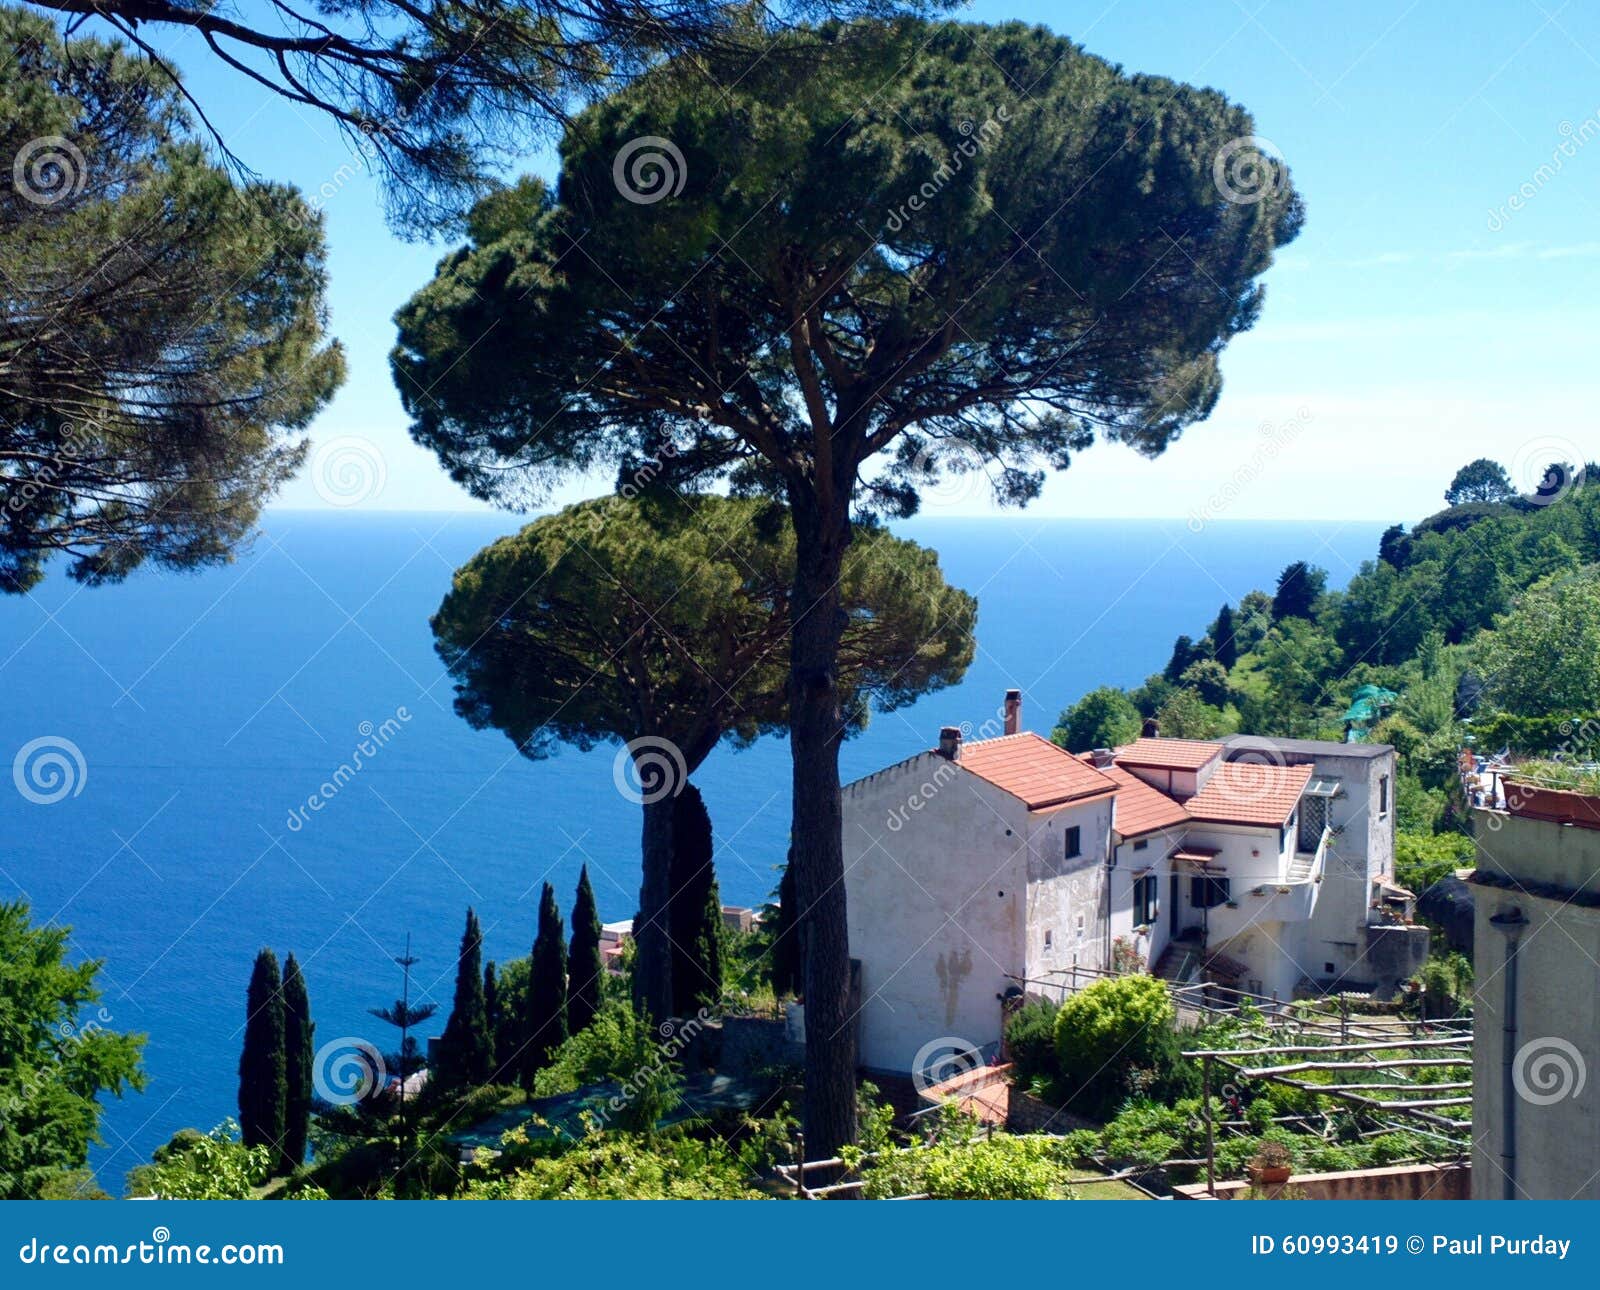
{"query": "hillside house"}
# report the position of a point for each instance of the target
(979, 870)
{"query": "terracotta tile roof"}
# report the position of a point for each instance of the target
(1168, 754)
(1247, 792)
(1035, 770)
(1140, 808)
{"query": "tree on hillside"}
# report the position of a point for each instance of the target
(1183, 653)
(950, 251)
(786, 954)
(694, 910)
(492, 1016)
(405, 1017)
(545, 1024)
(586, 969)
(1393, 545)
(1482, 480)
(663, 622)
(164, 329)
(1543, 658)
(1224, 645)
(1300, 586)
(431, 95)
(466, 1049)
(263, 1072)
(57, 1057)
(299, 1052)
(1103, 718)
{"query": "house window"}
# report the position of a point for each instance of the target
(1208, 893)
(1141, 844)
(1383, 796)
(1049, 936)
(1146, 900)
(1072, 844)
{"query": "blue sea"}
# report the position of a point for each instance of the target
(208, 707)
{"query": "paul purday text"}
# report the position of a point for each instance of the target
(1493, 1245)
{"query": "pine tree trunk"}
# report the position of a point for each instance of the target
(652, 964)
(815, 726)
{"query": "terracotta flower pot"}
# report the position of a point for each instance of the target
(1272, 1175)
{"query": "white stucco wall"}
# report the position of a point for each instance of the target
(936, 864)
(1066, 898)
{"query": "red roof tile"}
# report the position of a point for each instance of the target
(1035, 770)
(1140, 808)
(1249, 792)
(1168, 754)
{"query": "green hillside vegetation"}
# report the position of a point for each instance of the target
(1483, 621)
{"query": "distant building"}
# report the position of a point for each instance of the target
(613, 936)
(1536, 1014)
(978, 870)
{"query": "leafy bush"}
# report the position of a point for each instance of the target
(1031, 1041)
(1421, 859)
(1116, 1038)
(203, 1166)
(1005, 1167)
(621, 1166)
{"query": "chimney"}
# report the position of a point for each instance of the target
(1013, 712)
(1102, 757)
(950, 743)
(1152, 728)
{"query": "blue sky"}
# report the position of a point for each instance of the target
(1418, 321)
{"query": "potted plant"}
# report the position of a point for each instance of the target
(1271, 1164)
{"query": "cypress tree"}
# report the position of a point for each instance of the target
(547, 990)
(694, 910)
(491, 1015)
(585, 968)
(786, 960)
(298, 1051)
(466, 1049)
(263, 1080)
(1224, 648)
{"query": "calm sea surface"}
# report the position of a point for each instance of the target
(209, 707)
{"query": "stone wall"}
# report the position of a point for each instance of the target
(1397, 1182)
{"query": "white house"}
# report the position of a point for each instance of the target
(979, 870)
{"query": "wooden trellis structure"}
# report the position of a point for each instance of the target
(1357, 1049)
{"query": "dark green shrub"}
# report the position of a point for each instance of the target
(1031, 1041)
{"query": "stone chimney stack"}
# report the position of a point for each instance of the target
(1152, 728)
(950, 743)
(1013, 712)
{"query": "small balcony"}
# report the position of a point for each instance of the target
(1293, 898)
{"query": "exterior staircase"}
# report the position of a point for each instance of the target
(1179, 963)
(1301, 866)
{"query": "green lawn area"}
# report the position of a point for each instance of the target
(1107, 1189)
